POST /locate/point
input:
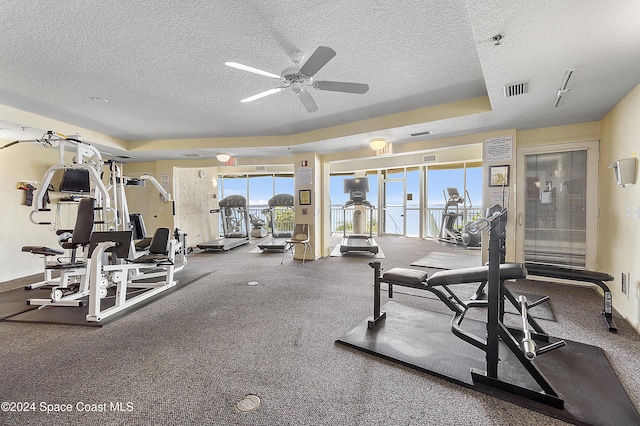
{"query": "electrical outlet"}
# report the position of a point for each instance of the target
(624, 279)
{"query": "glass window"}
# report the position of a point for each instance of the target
(337, 197)
(284, 184)
(260, 190)
(233, 185)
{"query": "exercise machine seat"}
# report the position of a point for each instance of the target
(80, 237)
(81, 234)
(508, 271)
(42, 250)
(159, 247)
(406, 277)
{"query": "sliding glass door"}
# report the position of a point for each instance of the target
(393, 202)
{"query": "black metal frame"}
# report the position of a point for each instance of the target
(496, 331)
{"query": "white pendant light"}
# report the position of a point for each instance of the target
(377, 143)
(222, 157)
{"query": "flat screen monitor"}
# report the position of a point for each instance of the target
(356, 184)
(75, 181)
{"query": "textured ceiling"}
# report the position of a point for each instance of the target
(161, 66)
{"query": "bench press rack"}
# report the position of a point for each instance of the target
(582, 275)
(494, 274)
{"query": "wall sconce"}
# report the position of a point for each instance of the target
(377, 143)
(223, 158)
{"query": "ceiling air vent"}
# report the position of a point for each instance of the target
(429, 158)
(516, 89)
(261, 169)
(427, 132)
(191, 155)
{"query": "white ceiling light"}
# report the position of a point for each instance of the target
(223, 158)
(377, 143)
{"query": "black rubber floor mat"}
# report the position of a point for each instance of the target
(423, 340)
(71, 315)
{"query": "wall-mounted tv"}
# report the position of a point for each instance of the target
(356, 184)
(357, 189)
(75, 181)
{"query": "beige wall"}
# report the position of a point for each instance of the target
(23, 162)
(619, 236)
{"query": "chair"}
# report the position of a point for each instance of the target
(300, 236)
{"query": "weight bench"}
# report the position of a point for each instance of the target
(593, 277)
(438, 284)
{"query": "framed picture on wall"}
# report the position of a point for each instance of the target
(304, 197)
(499, 175)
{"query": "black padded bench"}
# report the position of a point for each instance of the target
(593, 277)
(508, 271)
(419, 279)
(42, 250)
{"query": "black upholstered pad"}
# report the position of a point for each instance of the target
(45, 251)
(65, 265)
(566, 273)
(405, 277)
(508, 271)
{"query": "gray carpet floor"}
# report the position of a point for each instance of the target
(191, 356)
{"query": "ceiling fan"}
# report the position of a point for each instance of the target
(300, 78)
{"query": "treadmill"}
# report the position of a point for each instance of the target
(235, 224)
(357, 189)
(279, 204)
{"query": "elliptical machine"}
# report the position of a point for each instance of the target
(449, 232)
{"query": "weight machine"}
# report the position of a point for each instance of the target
(106, 208)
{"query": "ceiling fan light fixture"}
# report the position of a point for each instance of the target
(377, 143)
(222, 157)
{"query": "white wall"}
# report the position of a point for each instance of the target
(196, 194)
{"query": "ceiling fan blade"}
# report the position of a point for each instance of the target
(317, 60)
(308, 102)
(251, 69)
(263, 94)
(339, 86)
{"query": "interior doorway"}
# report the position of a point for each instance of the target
(557, 224)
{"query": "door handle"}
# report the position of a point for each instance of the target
(520, 218)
